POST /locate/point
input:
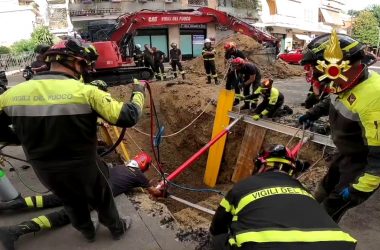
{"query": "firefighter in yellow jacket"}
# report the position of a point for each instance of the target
(271, 210)
(54, 116)
(354, 113)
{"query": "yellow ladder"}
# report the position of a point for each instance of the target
(109, 135)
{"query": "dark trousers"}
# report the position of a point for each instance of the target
(149, 63)
(210, 69)
(175, 64)
(343, 170)
(81, 186)
(233, 81)
(159, 69)
(139, 63)
(272, 111)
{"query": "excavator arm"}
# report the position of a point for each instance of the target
(128, 23)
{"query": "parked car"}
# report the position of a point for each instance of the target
(293, 56)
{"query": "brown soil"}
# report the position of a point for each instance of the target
(255, 53)
(178, 103)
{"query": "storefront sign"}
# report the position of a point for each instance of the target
(154, 19)
(193, 26)
(198, 39)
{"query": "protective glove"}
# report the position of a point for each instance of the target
(356, 196)
(306, 120)
(257, 117)
(138, 86)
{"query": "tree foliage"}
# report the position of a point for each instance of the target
(4, 50)
(41, 35)
(365, 28)
(375, 9)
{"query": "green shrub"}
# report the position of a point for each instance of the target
(4, 50)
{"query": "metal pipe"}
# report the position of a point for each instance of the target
(189, 162)
(196, 206)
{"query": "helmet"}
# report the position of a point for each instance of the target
(329, 58)
(138, 46)
(238, 61)
(70, 50)
(173, 45)
(267, 83)
(229, 45)
(207, 40)
(41, 49)
(279, 157)
(100, 84)
(141, 161)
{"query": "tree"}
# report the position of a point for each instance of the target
(42, 35)
(23, 45)
(4, 50)
(375, 9)
(365, 28)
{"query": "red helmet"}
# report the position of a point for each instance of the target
(238, 61)
(229, 45)
(72, 49)
(267, 83)
(141, 161)
(279, 157)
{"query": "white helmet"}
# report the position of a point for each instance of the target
(207, 40)
(138, 46)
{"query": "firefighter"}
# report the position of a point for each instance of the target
(148, 57)
(122, 179)
(158, 58)
(138, 56)
(272, 210)
(353, 109)
(208, 54)
(231, 52)
(175, 58)
(54, 116)
(272, 102)
(243, 74)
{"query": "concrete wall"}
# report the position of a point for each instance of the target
(211, 31)
(17, 24)
(174, 36)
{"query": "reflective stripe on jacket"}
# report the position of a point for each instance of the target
(54, 116)
(273, 209)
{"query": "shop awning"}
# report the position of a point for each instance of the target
(331, 17)
(303, 37)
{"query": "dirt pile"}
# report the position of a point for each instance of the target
(255, 52)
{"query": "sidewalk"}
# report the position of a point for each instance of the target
(146, 233)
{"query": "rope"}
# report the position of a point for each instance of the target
(182, 129)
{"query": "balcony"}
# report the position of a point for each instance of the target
(91, 11)
(197, 2)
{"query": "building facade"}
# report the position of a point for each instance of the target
(18, 20)
(297, 22)
(94, 19)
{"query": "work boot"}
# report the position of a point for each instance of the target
(246, 106)
(216, 81)
(183, 77)
(209, 80)
(236, 102)
(17, 203)
(90, 236)
(8, 235)
(126, 224)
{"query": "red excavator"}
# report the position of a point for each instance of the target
(115, 63)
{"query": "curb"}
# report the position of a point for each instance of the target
(13, 72)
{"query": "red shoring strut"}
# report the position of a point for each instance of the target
(189, 162)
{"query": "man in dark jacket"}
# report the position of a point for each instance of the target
(148, 57)
(273, 211)
(158, 58)
(208, 55)
(175, 57)
(54, 116)
(138, 56)
(353, 109)
(122, 179)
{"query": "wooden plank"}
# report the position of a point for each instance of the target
(221, 121)
(249, 149)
